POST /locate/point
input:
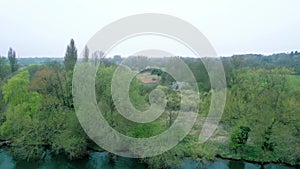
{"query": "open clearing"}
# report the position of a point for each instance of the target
(147, 77)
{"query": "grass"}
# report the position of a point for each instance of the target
(147, 77)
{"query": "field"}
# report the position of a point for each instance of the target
(147, 77)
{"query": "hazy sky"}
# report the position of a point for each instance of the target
(44, 28)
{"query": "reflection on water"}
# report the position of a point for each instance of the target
(229, 164)
(101, 160)
(6, 161)
(96, 160)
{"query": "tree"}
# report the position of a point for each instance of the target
(20, 126)
(86, 53)
(4, 68)
(239, 137)
(97, 57)
(260, 99)
(12, 60)
(69, 62)
(16, 90)
(267, 144)
(103, 90)
(173, 103)
(35, 120)
(117, 59)
(70, 56)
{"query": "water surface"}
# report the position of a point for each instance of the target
(101, 160)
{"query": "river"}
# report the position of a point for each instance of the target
(100, 160)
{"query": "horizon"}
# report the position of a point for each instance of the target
(122, 56)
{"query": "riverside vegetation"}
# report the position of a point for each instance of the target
(261, 120)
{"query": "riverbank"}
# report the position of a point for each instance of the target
(182, 151)
(103, 160)
(258, 162)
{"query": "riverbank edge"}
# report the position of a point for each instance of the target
(4, 144)
(257, 162)
(223, 158)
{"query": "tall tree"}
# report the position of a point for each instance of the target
(86, 54)
(70, 56)
(12, 60)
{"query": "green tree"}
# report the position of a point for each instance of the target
(35, 120)
(70, 56)
(239, 137)
(20, 126)
(260, 99)
(4, 68)
(173, 103)
(86, 53)
(103, 90)
(267, 144)
(12, 60)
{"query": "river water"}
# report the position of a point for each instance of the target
(101, 160)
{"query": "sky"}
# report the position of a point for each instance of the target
(43, 28)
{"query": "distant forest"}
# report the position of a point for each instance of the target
(289, 60)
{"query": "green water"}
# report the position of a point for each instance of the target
(96, 160)
(101, 160)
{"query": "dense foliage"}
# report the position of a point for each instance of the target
(261, 121)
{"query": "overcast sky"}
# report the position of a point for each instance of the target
(45, 27)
